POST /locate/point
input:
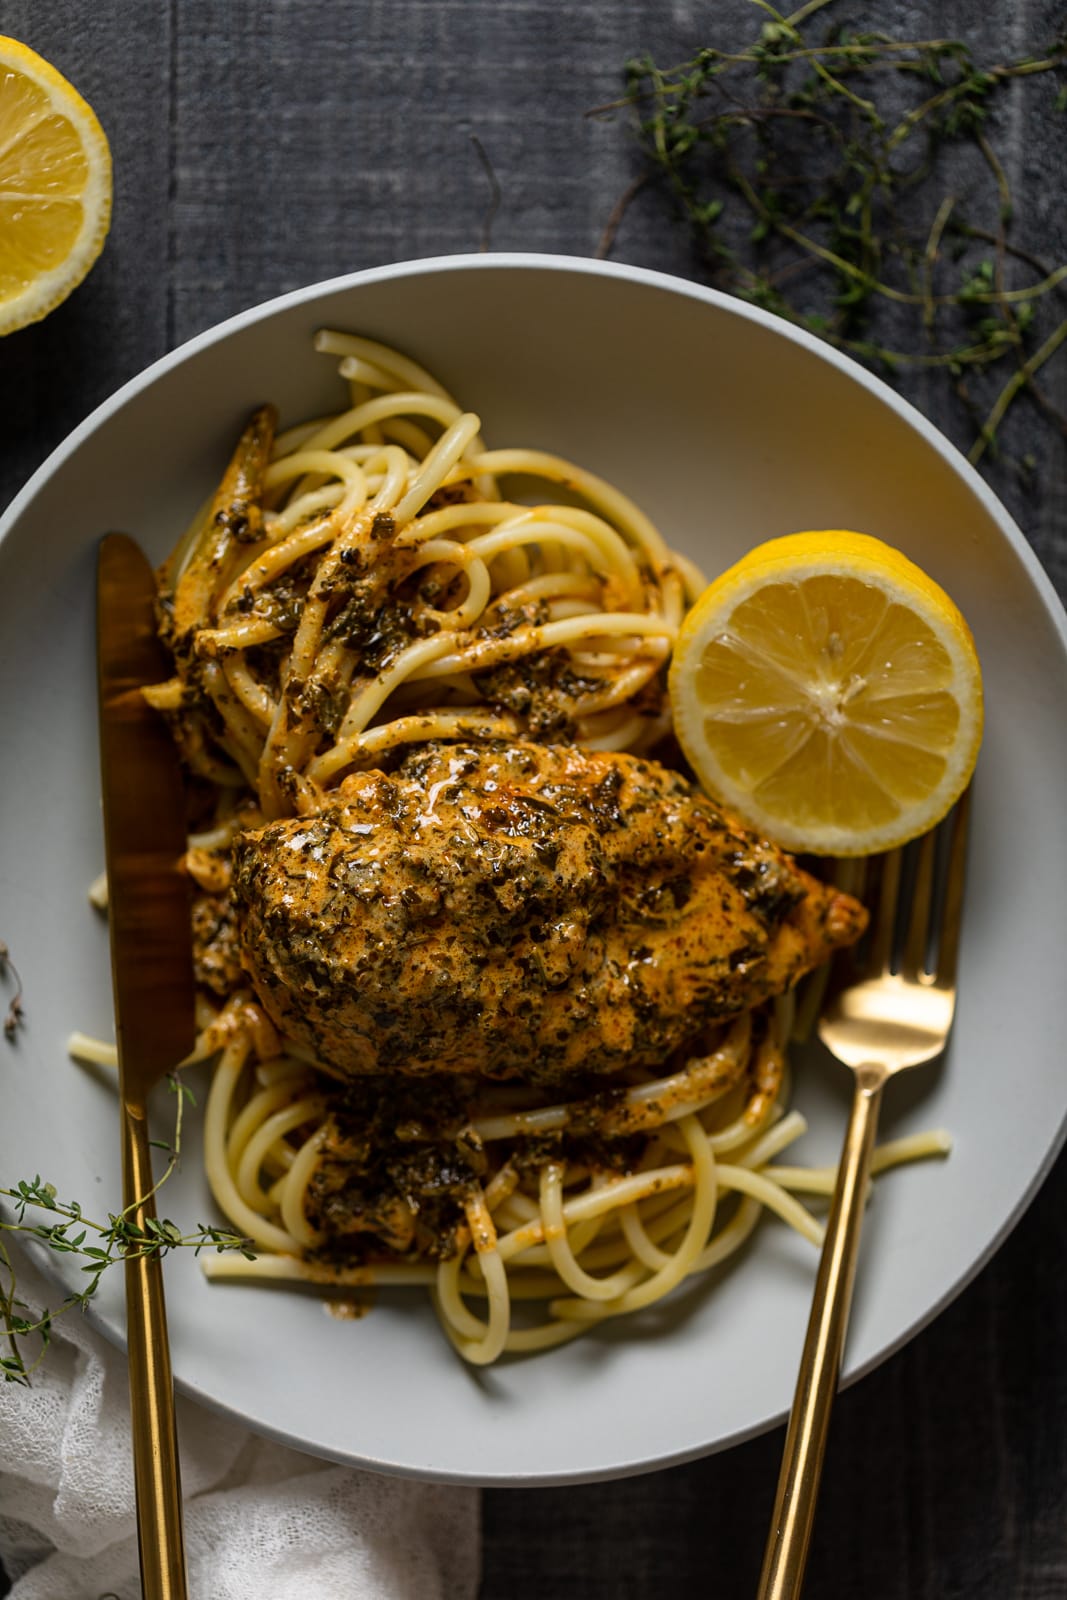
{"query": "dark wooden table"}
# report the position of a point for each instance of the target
(259, 147)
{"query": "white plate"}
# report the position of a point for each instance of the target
(728, 427)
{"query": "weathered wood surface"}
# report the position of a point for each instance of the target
(260, 147)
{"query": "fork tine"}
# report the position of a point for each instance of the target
(884, 919)
(952, 915)
(917, 936)
(852, 876)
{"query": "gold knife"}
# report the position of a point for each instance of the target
(152, 976)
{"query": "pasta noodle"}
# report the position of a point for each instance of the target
(364, 582)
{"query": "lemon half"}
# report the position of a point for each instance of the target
(55, 186)
(829, 692)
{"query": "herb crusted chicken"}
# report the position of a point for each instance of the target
(521, 911)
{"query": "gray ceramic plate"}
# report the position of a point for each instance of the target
(729, 428)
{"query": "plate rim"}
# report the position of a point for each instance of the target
(954, 460)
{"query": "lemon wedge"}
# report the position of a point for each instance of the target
(829, 693)
(55, 186)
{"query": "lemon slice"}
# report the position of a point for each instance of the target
(55, 187)
(829, 692)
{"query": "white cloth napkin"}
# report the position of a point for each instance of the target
(261, 1520)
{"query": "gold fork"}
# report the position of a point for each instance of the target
(894, 1014)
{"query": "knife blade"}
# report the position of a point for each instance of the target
(144, 825)
(152, 979)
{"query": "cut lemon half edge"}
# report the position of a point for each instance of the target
(55, 186)
(829, 693)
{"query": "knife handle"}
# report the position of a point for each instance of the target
(155, 1442)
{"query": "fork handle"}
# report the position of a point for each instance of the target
(805, 1444)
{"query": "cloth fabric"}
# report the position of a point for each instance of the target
(260, 1519)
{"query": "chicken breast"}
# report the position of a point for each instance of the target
(519, 910)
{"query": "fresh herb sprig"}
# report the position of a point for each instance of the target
(26, 1335)
(850, 183)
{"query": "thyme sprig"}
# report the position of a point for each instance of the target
(98, 1245)
(830, 179)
